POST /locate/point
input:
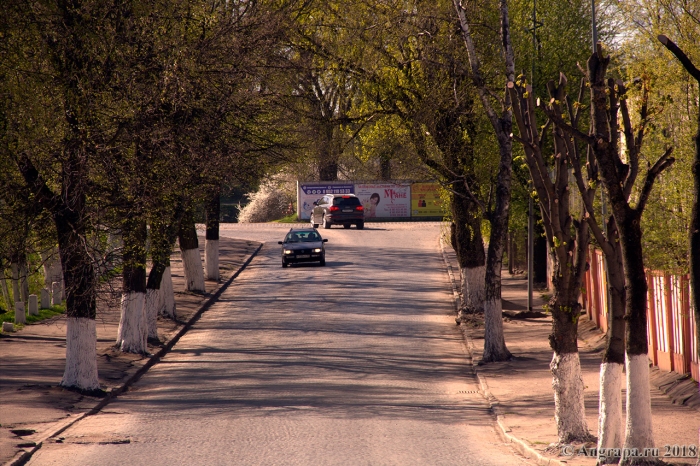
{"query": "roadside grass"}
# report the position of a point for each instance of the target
(291, 218)
(44, 314)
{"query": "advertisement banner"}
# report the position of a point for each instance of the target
(307, 193)
(425, 200)
(385, 200)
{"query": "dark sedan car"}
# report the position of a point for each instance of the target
(303, 245)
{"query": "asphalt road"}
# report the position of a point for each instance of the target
(355, 363)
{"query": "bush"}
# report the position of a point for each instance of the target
(269, 203)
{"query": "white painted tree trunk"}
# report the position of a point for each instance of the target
(133, 329)
(494, 341)
(152, 306)
(473, 287)
(639, 432)
(81, 354)
(569, 408)
(192, 266)
(211, 259)
(167, 294)
(610, 434)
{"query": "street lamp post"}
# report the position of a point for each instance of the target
(531, 205)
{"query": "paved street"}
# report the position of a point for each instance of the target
(358, 362)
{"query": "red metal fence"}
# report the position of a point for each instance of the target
(671, 322)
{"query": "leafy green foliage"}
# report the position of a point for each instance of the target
(674, 95)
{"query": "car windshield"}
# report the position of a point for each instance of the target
(302, 237)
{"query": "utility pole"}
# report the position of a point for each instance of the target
(594, 29)
(531, 204)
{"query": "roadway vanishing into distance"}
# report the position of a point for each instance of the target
(355, 363)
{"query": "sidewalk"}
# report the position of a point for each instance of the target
(34, 408)
(520, 390)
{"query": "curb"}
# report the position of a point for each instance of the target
(520, 445)
(450, 273)
(22, 457)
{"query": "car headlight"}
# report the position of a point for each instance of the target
(288, 251)
(317, 250)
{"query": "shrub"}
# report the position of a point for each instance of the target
(269, 203)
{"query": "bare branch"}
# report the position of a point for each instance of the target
(663, 163)
(682, 57)
(475, 64)
(559, 121)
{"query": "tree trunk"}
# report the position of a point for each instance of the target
(168, 294)
(9, 305)
(639, 432)
(469, 246)
(327, 156)
(24, 277)
(567, 278)
(569, 410)
(539, 255)
(494, 341)
(510, 253)
(132, 334)
(568, 252)
(80, 283)
(160, 297)
(694, 231)
(16, 294)
(694, 236)
(211, 244)
(610, 430)
(191, 259)
(385, 167)
(80, 279)
(567, 382)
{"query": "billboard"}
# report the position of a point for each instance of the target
(309, 192)
(425, 200)
(385, 200)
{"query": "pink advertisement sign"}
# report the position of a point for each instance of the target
(385, 200)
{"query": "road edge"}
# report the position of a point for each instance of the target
(23, 457)
(520, 445)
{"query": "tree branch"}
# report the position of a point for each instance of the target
(663, 163)
(682, 57)
(559, 121)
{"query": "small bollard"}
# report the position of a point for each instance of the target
(20, 316)
(33, 305)
(8, 327)
(56, 293)
(45, 299)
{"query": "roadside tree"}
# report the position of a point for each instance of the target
(569, 238)
(608, 106)
(501, 119)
